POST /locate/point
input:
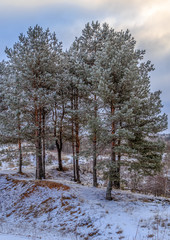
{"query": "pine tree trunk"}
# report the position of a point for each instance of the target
(117, 181)
(94, 162)
(118, 165)
(112, 172)
(20, 155)
(77, 153)
(43, 161)
(19, 144)
(109, 190)
(60, 165)
(73, 147)
(59, 150)
(39, 170)
(43, 143)
(74, 163)
(77, 141)
(38, 144)
(95, 148)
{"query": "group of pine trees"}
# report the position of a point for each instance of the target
(99, 88)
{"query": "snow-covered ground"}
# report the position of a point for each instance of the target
(61, 209)
(13, 237)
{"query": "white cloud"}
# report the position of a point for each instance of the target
(148, 21)
(21, 4)
(105, 4)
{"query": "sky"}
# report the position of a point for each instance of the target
(147, 20)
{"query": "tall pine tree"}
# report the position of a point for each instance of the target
(123, 81)
(35, 59)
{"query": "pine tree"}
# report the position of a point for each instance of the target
(35, 59)
(120, 72)
(60, 106)
(101, 86)
(12, 123)
(78, 78)
(90, 42)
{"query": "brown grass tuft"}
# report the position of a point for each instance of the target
(51, 185)
(40, 183)
(119, 232)
(93, 233)
(65, 169)
(150, 236)
(28, 192)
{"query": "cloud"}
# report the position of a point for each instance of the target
(148, 21)
(155, 33)
(33, 4)
(81, 3)
(110, 6)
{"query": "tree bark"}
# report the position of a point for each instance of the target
(73, 145)
(59, 135)
(77, 153)
(38, 144)
(113, 161)
(20, 155)
(74, 163)
(95, 148)
(118, 171)
(109, 190)
(94, 162)
(118, 165)
(43, 143)
(77, 141)
(60, 165)
(19, 144)
(117, 181)
(59, 150)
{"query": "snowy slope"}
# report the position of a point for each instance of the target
(62, 209)
(13, 237)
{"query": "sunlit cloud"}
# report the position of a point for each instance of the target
(81, 3)
(32, 4)
(149, 23)
(147, 20)
(110, 5)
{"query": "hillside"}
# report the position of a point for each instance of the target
(63, 210)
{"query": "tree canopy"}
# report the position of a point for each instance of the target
(99, 89)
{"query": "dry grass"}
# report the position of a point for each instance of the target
(65, 169)
(93, 233)
(46, 205)
(51, 185)
(119, 232)
(33, 187)
(39, 183)
(20, 174)
(150, 236)
(29, 191)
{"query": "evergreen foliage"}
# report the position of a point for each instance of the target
(35, 60)
(99, 88)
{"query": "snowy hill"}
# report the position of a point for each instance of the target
(63, 210)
